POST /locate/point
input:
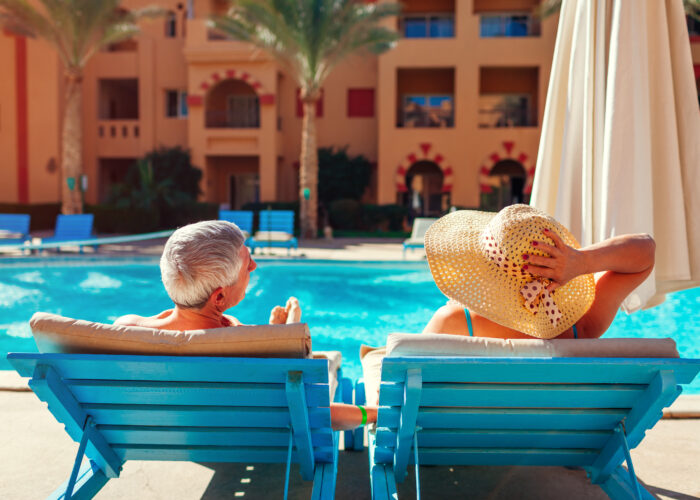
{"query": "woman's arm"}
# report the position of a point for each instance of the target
(627, 261)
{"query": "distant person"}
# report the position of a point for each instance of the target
(206, 269)
(520, 274)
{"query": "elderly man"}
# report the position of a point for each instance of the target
(206, 269)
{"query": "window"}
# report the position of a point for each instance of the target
(175, 103)
(360, 103)
(428, 26)
(170, 25)
(508, 25)
(319, 105)
(427, 111)
(505, 110)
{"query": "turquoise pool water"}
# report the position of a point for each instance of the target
(345, 304)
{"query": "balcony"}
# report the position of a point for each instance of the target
(513, 24)
(508, 97)
(427, 19)
(425, 97)
(206, 45)
(118, 138)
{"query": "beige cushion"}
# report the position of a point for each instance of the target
(335, 358)
(437, 344)
(54, 333)
(263, 236)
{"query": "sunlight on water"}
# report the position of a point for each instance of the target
(346, 305)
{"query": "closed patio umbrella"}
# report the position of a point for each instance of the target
(620, 145)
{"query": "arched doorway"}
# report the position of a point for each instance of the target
(424, 197)
(232, 103)
(509, 178)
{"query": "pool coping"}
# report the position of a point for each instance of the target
(686, 406)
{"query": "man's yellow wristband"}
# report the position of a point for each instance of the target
(364, 414)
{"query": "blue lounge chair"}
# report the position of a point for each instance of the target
(417, 239)
(276, 230)
(586, 412)
(77, 227)
(205, 409)
(242, 218)
(14, 228)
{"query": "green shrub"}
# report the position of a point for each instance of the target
(384, 217)
(128, 220)
(43, 215)
(345, 214)
(188, 213)
(341, 176)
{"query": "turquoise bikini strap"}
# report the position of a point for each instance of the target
(469, 322)
(575, 332)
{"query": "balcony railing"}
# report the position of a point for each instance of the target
(508, 25)
(225, 119)
(437, 25)
(427, 111)
(505, 110)
(118, 129)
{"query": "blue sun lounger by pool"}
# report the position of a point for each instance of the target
(585, 412)
(242, 218)
(417, 239)
(276, 230)
(14, 228)
(75, 227)
(204, 409)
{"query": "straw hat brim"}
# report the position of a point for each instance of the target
(463, 271)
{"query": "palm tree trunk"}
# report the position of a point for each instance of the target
(308, 171)
(72, 145)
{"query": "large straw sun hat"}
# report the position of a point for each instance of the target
(476, 259)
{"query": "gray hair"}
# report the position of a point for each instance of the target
(198, 259)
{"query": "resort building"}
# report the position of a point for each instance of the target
(451, 116)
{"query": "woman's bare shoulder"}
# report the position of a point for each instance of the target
(449, 318)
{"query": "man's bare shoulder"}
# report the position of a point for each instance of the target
(145, 321)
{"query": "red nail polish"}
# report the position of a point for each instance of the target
(526, 256)
(525, 267)
(534, 243)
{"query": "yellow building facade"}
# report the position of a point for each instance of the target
(451, 116)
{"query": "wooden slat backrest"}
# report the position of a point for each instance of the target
(242, 218)
(74, 227)
(510, 411)
(193, 408)
(277, 220)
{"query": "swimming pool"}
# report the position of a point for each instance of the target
(345, 304)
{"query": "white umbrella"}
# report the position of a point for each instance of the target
(620, 149)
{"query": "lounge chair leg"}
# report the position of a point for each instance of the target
(346, 397)
(325, 475)
(89, 482)
(383, 482)
(78, 461)
(358, 435)
(415, 460)
(289, 463)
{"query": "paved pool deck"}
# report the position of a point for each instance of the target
(36, 454)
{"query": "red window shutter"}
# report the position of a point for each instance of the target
(361, 103)
(300, 108)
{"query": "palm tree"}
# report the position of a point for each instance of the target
(76, 29)
(549, 7)
(308, 38)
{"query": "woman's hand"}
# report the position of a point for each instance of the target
(562, 265)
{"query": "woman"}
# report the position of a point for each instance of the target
(520, 274)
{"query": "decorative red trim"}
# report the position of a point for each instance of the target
(447, 171)
(401, 188)
(194, 100)
(438, 159)
(508, 145)
(527, 189)
(401, 170)
(485, 171)
(694, 38)
(425, 147)
(231, 73)
(215, 77)
(412, 158)
(494, 157)
(22, 120)
(447, 188)
(205, 86)
(485, 188)
(256, 85)
(522, 157)
(267, 99)
(696, 68)
(244, 77)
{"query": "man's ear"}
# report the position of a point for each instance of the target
(218, 297)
